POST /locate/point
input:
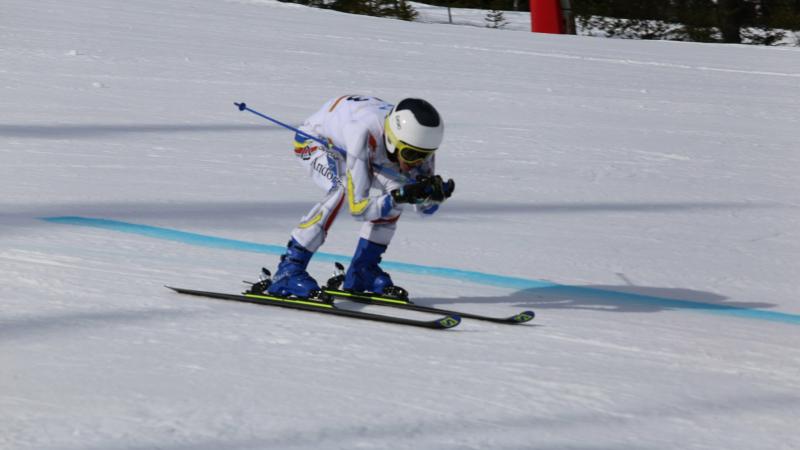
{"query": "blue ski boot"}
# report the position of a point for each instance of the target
(364, 274)
(291, 278)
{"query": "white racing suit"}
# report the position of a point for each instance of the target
(362, 180)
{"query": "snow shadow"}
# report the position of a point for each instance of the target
(284, 214)
(639, 299)
(252, 209)
(457, 208)
(56, 323)
(249, 214)
(628, 299)
(95, 131)
(475, 427)
(197, 212)
(358, 436)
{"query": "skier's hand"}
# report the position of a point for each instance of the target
(410, 193)
(426, 189)
(439, 189)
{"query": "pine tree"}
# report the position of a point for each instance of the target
(495, 18)
(405, 11)
(731, 17)
(365, 7)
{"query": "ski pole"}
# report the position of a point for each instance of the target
(328, 145)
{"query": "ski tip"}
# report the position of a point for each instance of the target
(525, 316)
(449, 321)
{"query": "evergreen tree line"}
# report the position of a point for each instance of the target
(399, 9)
(754, 21)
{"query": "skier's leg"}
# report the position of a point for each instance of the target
(313, 228)
(291, 277)
(364, 273)
(379, 231)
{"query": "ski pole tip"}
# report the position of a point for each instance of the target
(242, 106)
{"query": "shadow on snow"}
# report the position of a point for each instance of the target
(607, 298)
(94, 131)
(244, 211)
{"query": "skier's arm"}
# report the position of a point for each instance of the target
(359, 178)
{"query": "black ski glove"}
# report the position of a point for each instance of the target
(433, 188)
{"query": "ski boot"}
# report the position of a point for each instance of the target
(364, 274)
(291, 278)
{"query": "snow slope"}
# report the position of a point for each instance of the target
(642, 197)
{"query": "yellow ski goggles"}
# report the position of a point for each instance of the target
(406, 152)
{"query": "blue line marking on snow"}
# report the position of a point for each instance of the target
(441, 272)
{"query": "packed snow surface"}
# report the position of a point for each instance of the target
(641, 197)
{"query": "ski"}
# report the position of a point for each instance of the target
(324, 307)
(405, 303)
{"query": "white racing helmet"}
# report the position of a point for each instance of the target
(413, 130)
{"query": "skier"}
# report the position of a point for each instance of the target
(390, 149)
